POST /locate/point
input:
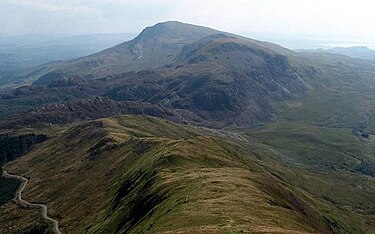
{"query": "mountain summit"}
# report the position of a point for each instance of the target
(218, 76)
(154, 47)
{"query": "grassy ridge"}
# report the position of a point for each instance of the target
(138, 174)
(166, 189)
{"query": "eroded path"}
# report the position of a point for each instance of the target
(18, 199)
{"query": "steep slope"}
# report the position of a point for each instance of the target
(224, 79)
(342, 95)
(229, 77)
(139, 174)
(154, 47)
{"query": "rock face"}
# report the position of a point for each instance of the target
(229, 77)
(222, 78)
(93, 108)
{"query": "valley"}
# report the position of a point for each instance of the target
(187, 129)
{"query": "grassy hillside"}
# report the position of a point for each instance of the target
(13, 145)
(22, 221)
(137, 174)
(327, 164)
(342, 95)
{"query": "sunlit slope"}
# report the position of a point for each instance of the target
(138, 174)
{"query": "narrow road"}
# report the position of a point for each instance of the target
(18, 199)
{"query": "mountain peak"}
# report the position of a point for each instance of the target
(174, 30)
(170, 23)
(155, 47)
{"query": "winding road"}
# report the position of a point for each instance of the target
(18, 199)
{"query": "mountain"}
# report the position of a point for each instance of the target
(140, 174)
(246, 136)
(154, 47)
(220, 77)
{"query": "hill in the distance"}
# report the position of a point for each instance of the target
(360, 52)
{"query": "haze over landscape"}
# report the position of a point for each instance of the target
(314, 22)
(122, 116)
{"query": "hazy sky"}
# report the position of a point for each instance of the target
(327, 19)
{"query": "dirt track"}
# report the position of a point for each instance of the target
(18, 199)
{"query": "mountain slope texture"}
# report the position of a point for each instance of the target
(187, 129)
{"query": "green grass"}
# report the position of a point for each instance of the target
(339, 98)
(315, 147)
(322, 163)
(137, 174)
